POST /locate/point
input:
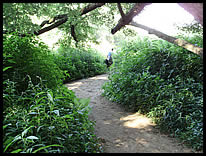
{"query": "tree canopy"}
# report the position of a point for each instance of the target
(79, 22)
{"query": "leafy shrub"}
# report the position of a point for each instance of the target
(29, 57)
(79, 63)
(48, 121)
(163, 81)
(41, 115)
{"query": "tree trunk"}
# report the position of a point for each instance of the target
(176, 41)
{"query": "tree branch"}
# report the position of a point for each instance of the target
(41, 31)
(53, 19)
(91, 7)
(176, 41)
(73, 33)
(83, 11)
(120, 10)
(58, 23)
(63, 18)
(136, 9)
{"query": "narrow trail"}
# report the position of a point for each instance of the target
(121, 131)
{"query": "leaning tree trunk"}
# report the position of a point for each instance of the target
(176, 41)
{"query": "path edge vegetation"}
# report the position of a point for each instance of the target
(163, 81)
(41, 115)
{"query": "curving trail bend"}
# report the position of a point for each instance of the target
(121, 131)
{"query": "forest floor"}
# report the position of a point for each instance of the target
(121, 131)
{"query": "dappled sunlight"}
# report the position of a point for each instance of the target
(74, 85)
(136, 121)
(85, 82)
(103, 77)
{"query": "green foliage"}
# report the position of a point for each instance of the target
(163, 81)
(79, 63)
(39, 113)
(21, 17)
(48, 121)
(16, 16)
(28, 56)
(192, 28)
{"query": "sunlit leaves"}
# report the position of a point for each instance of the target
(18, 16)
(194, 27)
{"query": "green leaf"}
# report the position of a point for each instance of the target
(85, 102)
(36, 106)
(67, 116)
(76, 101)
(32, 137)
(56, 112)
(32, 113)
(39, 94)
(6, 125)
(50, 96)
(18, 137)
(6, 68)
(41, 148)
(25, 131)
(16, 151)
(11, 61)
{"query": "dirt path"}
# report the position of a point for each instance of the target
(121, 131)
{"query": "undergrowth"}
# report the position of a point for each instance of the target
(163, 81)
(48, 121)
(40, 115)
(79, 63)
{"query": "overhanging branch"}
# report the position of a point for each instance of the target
(120, 10)
(136, 9)
(176, 41)
(73, 33)
(61, 20)
(52, 20)
(91, 7)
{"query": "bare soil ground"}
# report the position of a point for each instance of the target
(119, 130)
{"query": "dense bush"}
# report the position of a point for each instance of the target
(163, 81)
(29, 57)
(42, 120)
(79, 63)
(39, 113)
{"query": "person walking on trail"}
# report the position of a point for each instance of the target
(109, 61)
